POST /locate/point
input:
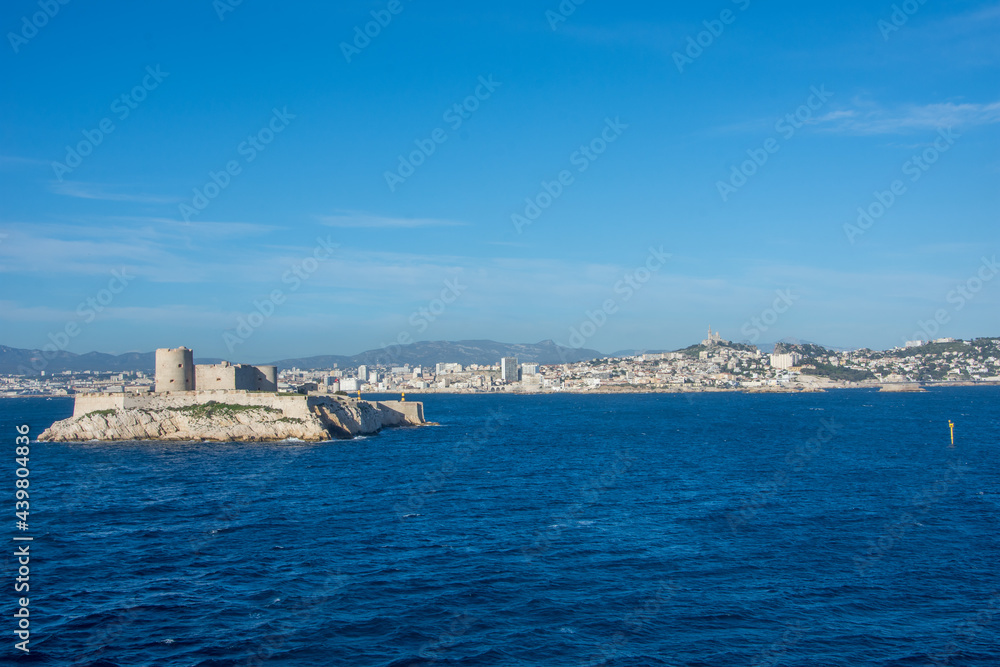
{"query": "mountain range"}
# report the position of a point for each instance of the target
(17, 361)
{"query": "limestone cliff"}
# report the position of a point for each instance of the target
(310, 419)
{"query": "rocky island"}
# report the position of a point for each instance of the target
(239, 403)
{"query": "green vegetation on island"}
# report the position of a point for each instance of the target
(216, 409)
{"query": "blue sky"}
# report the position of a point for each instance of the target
(309, 129)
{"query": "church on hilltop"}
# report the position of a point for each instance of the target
(176, 371)
(713, 339)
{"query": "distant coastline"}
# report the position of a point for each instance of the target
(712, 365)
(781, 389)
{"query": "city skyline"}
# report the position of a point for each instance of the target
(605, 177)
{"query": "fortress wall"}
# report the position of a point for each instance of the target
(397, 413)
(246, 377)
(235, 377)
(290, 406)
(389, 413)
(384, 413)
(214, 377)
(85, 403)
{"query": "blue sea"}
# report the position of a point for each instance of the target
(709, 529)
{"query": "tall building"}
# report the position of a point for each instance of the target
(508, 370)
(529, 369)
(363, 373)
(787, 360)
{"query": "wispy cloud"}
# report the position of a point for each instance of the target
(358, 220)
(101, 192)
(978, 21)
(200, 228)
(868, 119)
(12, 161)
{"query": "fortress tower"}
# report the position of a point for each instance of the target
(267, 378)
(174, 370)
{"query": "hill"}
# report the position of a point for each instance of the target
(465, 352)
(17, 361)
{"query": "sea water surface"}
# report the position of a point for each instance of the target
(707, 529)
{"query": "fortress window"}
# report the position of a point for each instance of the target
(171, 380)
(179, 365)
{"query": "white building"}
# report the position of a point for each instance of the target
(786, 360)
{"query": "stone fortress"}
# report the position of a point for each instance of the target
(176, 371)
(225, 402)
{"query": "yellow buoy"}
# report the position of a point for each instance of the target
(951, 425)
(403, 398)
